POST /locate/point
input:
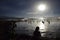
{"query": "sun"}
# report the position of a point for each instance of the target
(41, 7)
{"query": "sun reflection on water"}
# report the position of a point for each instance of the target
(42, 26)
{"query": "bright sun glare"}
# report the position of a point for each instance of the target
(41, 7)
(42, 26)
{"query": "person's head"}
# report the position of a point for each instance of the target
(37, 28)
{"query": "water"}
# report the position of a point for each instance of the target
(28, 28)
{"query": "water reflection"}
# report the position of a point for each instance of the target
(24, 27)
(47, 30)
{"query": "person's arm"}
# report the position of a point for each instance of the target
(39, 34)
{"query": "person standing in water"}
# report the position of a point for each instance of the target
(36, 34)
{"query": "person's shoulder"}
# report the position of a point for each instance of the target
(38, 31)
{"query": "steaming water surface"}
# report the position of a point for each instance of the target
(28, 28)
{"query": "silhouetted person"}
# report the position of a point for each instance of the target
(36, 34)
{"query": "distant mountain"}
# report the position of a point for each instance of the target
(6, 17)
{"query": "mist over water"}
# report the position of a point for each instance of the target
(28, 28)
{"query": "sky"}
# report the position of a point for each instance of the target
(27, 8)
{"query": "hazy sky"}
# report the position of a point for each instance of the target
(26, 8)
